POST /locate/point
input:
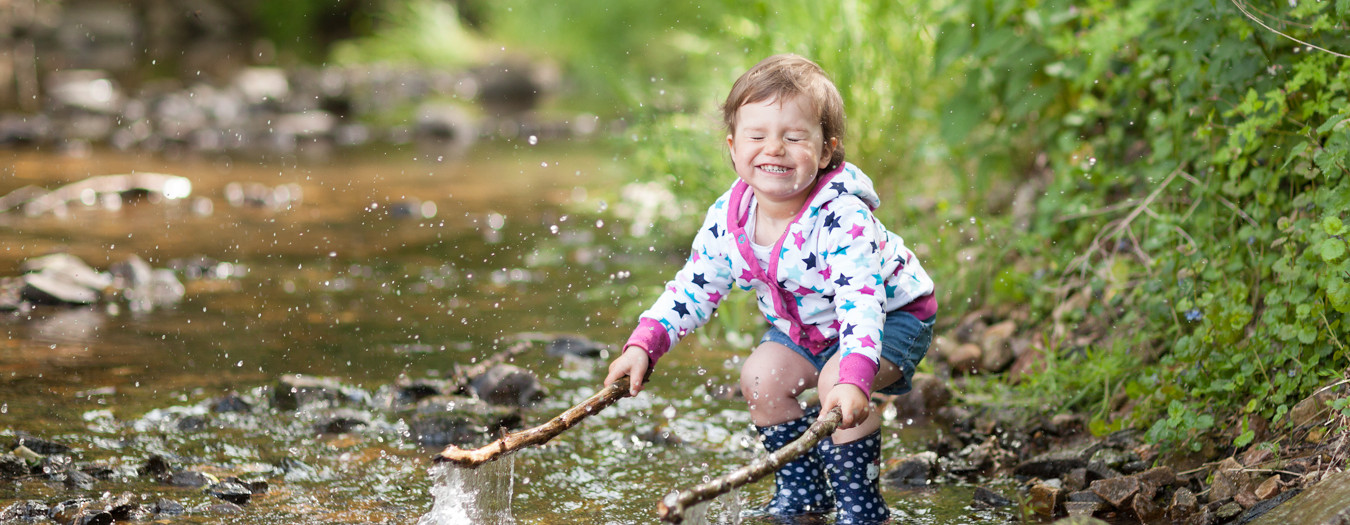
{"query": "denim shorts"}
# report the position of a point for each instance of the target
(904, 342)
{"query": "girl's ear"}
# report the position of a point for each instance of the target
(827, 152)
(730, 148)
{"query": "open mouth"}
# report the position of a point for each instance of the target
(773, 169)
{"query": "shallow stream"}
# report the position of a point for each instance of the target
(382, 264)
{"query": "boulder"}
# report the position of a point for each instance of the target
(989, 499)
(508, 385)
(996, 345)
(68, 268)
(293, 391)
(912, 471)
(1044, 499)
(929, 394)
(231, 491)
(1116, 491)
(1050, 466)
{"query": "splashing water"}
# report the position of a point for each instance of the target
(471, 496)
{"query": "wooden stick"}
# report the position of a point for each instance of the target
(537, 435)
(674, 505)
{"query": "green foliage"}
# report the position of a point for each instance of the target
(424, 33)
(1210, 152)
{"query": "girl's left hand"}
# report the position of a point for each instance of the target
(852, 402)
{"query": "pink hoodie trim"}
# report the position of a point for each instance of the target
(857, 370)
(651, 336)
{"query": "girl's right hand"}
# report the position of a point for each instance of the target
(633, 363)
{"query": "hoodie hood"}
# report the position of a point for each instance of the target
(847, 179)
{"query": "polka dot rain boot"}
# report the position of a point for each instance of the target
(854, 470)
(800, 487)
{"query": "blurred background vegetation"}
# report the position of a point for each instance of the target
(1155, 191)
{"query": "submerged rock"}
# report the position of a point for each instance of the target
(293, 391)
(24, 511)
(12, 467)
(575, 345)
(230, 491)
(442, 421)
(912, 471)
(45, 447)
(987, 498)
(508, 385)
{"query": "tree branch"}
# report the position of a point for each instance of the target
(674, 505)
(537, 435)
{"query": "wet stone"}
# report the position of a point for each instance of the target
(68, 269)
(45, 447)
(508, 385)
(1083, 508)
(1159, 477)
(168, 507)
(66, 511)
(1228, 482)
(41, 288)
(1145, 508)
(341, 421)
(1048, 467)
(990, 499)
(1268, 488)
(12, 467)
(1228, 511)
(24, 510)
(156, 466)
(230, 403)
(1184, 504)
(296, 390)
(1044, 499)
(1084, 496)
(1080, 520)
(254, 486)
(912, 471)
(76, 480)
(1077, 479)
(1116, 491)
(231, 491)
(575, 345)
(93, 517)
(410, 391)
(189, 478)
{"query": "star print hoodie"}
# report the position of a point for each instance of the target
(832, 277)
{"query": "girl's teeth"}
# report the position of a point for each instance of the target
(774, 169)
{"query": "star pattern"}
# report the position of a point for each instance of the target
(827, 282)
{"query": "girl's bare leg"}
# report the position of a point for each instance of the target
(771, 379)
(829, 376)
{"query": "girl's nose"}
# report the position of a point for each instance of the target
(774, 146)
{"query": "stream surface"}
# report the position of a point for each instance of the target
(361, 281)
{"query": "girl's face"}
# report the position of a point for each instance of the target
(777, 148)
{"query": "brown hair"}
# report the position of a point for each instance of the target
(784, 76)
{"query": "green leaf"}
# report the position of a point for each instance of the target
(1332, 249)
(1332, 224)
(1332, 122)
(1244, 439)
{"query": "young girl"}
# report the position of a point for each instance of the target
(850, 308)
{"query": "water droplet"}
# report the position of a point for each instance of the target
(533, 140)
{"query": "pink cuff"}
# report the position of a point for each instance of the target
(857, 370)
(650, 335)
